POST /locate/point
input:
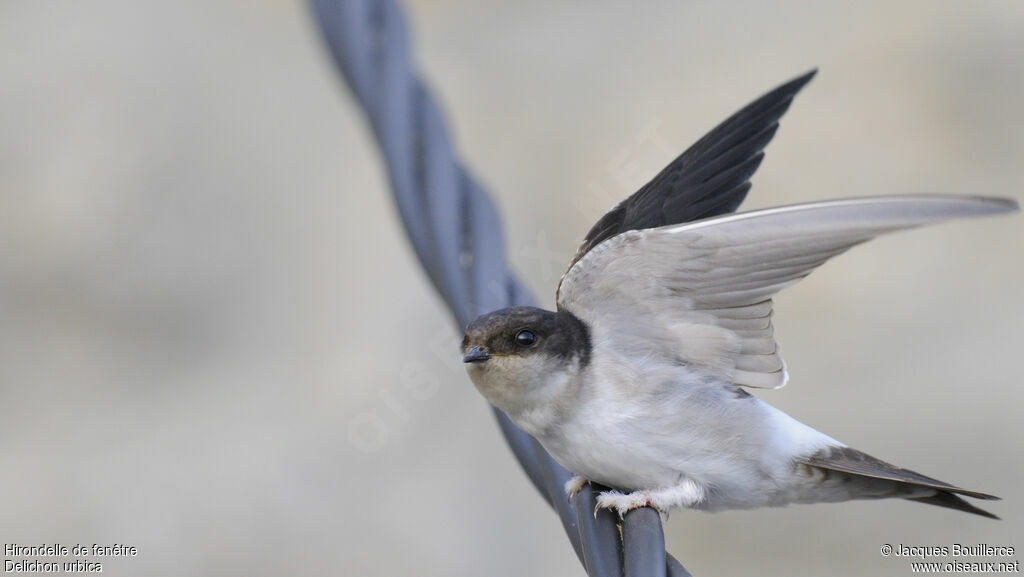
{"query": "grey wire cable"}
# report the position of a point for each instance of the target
(456, 232)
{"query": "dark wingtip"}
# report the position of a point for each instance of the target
(807, 76)
(1003, 204)
(795, 85)
(681, 192)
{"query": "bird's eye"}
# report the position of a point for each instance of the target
(525, 338)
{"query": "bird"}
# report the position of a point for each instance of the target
(639, 380)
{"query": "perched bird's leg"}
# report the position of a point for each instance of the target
(686, 494)
(573, 486)
(623, 503)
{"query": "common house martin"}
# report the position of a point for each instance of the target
(638, 381)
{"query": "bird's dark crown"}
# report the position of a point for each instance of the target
(560, 334)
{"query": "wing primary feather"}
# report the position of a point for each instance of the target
(736, 154)
(717, 203)
(776, 101)
(722, 272)
(737, 173)
(681, 191)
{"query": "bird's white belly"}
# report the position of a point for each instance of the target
(739, 449)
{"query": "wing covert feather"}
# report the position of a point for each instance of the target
(700, 293)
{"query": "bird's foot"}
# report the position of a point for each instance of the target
(686, 494)
(573, 486)
(622, 503)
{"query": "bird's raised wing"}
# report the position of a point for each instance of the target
(710, 178)
(700, 293)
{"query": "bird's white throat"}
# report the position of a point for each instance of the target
(532, 391)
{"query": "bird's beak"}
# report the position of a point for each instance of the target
(476, 355)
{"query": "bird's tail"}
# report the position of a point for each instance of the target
(879, 479)
(952, 501)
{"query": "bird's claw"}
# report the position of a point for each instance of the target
(573, 486)
(622, 503)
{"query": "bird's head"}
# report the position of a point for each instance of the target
(519, 357)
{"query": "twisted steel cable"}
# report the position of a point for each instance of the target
(456, 232)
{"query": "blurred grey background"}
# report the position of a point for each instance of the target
(216, 345)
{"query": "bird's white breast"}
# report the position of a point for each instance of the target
(651, 424)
